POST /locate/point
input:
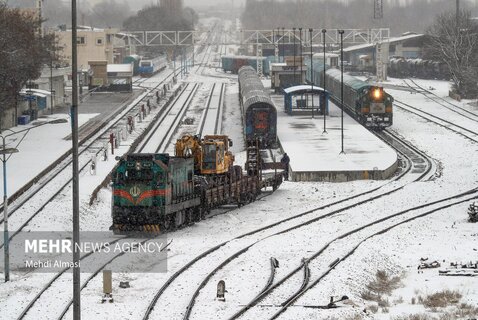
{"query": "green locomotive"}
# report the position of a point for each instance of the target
(149, 188)
(369, 104)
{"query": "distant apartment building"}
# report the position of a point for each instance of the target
(95, 44)
(172, 6)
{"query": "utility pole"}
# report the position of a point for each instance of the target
(457, 10)
(458, 15)
(51, 84)
(324, 31)
(341, 32)
(301, 55)
(283, 44)
(378, 9)
(295, 68)
(40, 15)
(76, 176)
(311, 73)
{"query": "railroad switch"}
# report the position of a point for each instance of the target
(130, 124)
(143, 111)
(112, 142)
(93, 165)
(105, 152)
(125, 131)
(118, 138)
(107, 287)
(221, 291)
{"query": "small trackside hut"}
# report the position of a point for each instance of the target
(307, 98)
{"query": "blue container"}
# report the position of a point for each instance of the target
(23, 120)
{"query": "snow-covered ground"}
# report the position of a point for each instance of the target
(47, 140)
(442, 236)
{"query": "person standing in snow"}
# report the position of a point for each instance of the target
(285, 162)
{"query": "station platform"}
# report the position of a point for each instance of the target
(316, 156)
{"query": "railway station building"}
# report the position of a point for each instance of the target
(286, 74)
(95, 44)
(363, 57)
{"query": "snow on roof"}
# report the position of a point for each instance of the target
(35, 92)
(243, 57)
(391, 40)
(126, 67)
(327, 55)
(302, 88)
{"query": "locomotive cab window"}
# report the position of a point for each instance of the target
(209, 160)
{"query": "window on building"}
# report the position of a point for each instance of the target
(99, 41)
(411, 54)
(81, 40)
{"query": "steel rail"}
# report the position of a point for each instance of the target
(235, 255)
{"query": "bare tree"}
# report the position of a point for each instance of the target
(156, 18)
(456, 45)
(22, 53)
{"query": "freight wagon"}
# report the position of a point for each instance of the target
(259, 112)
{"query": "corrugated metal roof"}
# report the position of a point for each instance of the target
(35, 92)
(391, 40)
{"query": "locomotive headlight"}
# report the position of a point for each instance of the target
(377, 93)
(138, 165)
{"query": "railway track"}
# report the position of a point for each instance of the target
(211, 119)
(212, 38)
(159, 137)
(172, 291)
(441, 101)
(412, 160)
(323, 266)
(25, 193)
(59, 277)
(417, 166)
(461, 130)
(34, 202)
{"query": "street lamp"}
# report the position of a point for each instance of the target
(51, 83)
(324, 84)
(29, 93)
(294, 58)
(4, 152)
(301, 56)
(283, 44)
(341, 32)
(311, 73)
(75, 166)
(278, 44)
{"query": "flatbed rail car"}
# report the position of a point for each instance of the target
(155, 193)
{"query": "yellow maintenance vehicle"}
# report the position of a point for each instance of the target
(211, 154)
